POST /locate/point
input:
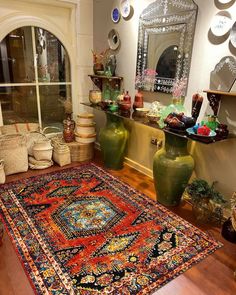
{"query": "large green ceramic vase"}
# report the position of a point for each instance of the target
(172, 169)
(113, 139)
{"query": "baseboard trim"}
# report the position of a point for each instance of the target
(131, 163)
(138, 167)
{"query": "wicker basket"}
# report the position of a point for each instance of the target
(61, 155)
(13, 151)
(19, 128)
(2, 172)
(81, 152)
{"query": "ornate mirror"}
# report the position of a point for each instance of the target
(224, 74)
(166, 30)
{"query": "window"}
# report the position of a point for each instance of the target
(34, 77)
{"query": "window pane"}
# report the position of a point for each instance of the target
(16, 57)
(51, 102)
(19, 104)
(53, 60)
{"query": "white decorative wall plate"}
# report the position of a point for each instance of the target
(224, 1)
(221, 23)
(125, 8)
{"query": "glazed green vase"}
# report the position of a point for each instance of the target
(113, 139)
(172, 169)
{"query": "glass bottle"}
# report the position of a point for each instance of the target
(68, 129)
(106, 92)
(115, 93)
(125, 104)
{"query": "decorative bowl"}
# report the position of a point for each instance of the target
(113, 107)
(153, 118)
(100, 73)
(204, 138)
(141, 112)
(115, 15)
(95, 96)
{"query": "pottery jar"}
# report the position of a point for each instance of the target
(95, 96)
(172, 169)
(68, 130)
(113, 139)
(138, 100)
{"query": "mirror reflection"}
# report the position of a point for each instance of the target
(166, 31)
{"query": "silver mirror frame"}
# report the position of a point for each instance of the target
(162, 17)
(223, 76)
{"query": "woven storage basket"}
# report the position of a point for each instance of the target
(61, 154)
(2, 172)
(81, 152)
(13, 151)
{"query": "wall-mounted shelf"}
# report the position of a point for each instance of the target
(99, 80)
(215, 96)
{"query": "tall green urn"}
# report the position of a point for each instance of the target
(172, 169)
(113, 139)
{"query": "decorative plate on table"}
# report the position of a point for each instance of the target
(204, 138)
(115, 15)
(125, 8)
(233, 35)
(221, 23)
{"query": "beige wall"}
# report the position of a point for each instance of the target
(213, 162)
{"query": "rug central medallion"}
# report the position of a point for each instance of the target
(86, 216)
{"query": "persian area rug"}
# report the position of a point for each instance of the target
(82, 231)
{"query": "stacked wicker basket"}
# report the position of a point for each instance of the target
(85, 135)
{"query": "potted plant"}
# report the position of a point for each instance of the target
(207, 202)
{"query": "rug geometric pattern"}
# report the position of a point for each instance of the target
(82, 231)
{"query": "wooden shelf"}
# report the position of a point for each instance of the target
(106, 77)
(215, 96)
(222, 93)
(99, 80)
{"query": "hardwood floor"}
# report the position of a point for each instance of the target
(212, 276)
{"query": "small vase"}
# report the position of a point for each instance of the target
(113, 139)
(97, 67)
(68, 129)
(228, 232)
(197, 100)
(138, 100)
(222, 131)
(172, 169)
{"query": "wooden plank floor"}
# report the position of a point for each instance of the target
(212, 276)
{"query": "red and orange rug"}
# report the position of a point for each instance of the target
(82, 231)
